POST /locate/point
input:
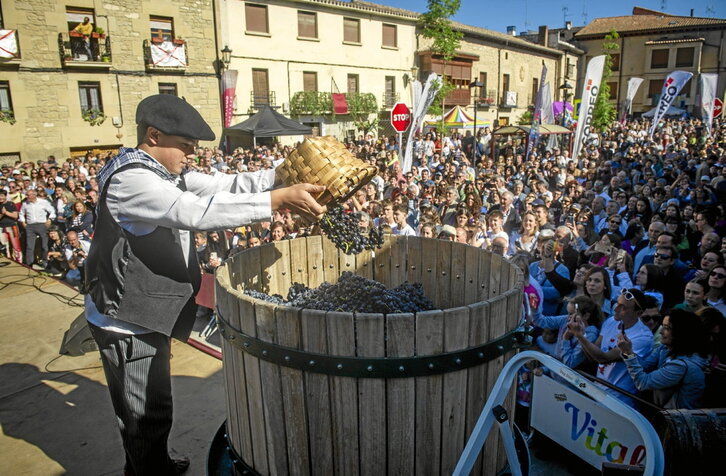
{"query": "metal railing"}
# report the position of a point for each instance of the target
(77, 49)
(389, 100)
(258, 99)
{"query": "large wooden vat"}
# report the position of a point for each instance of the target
(316, 393)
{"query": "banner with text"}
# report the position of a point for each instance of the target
(633, 85)
(671, 87)
(593, 78)
(708, 96)
(229, 83)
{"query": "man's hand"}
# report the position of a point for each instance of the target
(576, 327)
(300, 199)
(624, 344)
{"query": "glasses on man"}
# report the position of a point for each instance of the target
(614, 222)
(663, 256)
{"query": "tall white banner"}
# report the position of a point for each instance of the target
(633, 85)
(548, 117)
(421, 105)
(671, 87)
(593, 78)
(708, 96)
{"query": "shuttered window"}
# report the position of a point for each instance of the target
(351, 30)
(659, 59)
(654, 87)
(307, 25)
(260, 86)
(353, 83)
(256, 18)
(684, 57)
(390, 88)
(483, 81)
(310, 81)
(390, 36)
(168, 88)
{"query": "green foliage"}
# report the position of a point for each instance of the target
(526, 118)
(99, 30)
(436, 26)
(362, 103)
(94, 117)
(6, 115)
(314, 103)
(437, 106)
(365, 126)
(605, 112)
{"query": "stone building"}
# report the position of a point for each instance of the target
(652, 44)
(69, 96)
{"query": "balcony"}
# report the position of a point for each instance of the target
(317, 103)
(259, 99)
(165, 56)
(509, 100)
(9, 47)
(458, 97)
(488, 99)
(76, 51)
(388, 100)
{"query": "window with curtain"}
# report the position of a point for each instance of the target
(390, 36)
(162, 27)
(260, 86)
(90, 95)
(353, 83)
(351, 30)
(390, 88)
(307, 24)
(256, 18)
(6, 103)
(310, 81)
(483, 81)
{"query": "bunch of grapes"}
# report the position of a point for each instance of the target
(353, 293)
(343, 230)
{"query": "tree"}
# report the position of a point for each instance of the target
(436, 26)
(605, 113)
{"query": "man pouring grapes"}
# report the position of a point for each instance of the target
(142, 272)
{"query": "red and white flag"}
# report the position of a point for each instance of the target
(593, 78)
(8, 44)
(671, 87)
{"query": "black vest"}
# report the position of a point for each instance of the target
(143, 280)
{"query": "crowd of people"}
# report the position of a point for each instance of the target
(622, 247)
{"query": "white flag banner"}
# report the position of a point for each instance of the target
(593, 78)
(548, 117)
(671, 87)
(421, 105)
(8, 44)
(708, 96)
(168, 54)
(633, 85)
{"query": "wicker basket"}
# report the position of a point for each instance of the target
(325, 161)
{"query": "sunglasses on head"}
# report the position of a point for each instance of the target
(629, 296)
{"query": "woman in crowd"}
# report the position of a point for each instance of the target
(57, 265)
(675, 370)
(599, 288)
(648, 279)
(694, 296)
(525, 239)
(705, 265)
(81, 221)
(277, 231)
(716, 295)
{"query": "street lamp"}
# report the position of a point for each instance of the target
(472, 85)
(226, 56)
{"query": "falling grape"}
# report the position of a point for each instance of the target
(343, 230)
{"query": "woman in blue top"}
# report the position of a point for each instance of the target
(674, 371)
(568, 349)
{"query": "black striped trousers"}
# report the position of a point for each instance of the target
(138, 375)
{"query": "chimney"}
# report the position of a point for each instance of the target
(512, 30)
(691, 12)
(568, 25)
(543, 34)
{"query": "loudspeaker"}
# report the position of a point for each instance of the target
(78, 339)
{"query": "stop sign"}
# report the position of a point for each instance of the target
(717, 108)
(400, 117)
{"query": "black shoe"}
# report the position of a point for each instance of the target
(181, 465)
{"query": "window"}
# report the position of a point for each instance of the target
(616, 62)
(684, 57)
(260, 87)
(390, 36)
(353, 84)
(75, 16)
(655, 87)
(6, 102)
(307, 25)
(570, 72)
(162, 27)
(390, 95)
(168, 88)
(505, 86)
(310, 81)
(90, 94)
(483, 81)
(659, 59)
(613, 91)
(535, 88)
(256, 18)
(351, 30)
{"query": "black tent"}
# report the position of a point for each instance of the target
(268, 123)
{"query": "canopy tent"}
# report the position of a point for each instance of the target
(457, 118)
(502, 136)
(672, 111)
(544, 129)
(268, 123)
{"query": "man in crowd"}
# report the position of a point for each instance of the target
(36, 215)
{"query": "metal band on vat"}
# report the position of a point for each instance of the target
(370, 367)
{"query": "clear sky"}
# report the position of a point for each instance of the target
(530, 14)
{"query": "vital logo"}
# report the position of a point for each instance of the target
(597, 439)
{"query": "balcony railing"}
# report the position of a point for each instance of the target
(258, 99)
(488, 99)
(318, 103)
(77, 50)
(10, 46)
(162, 55)
(388, 100)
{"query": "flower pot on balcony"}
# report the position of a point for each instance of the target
(75, 34)
(157, 40)
(100, 36)
(178, 41)
(106, 58)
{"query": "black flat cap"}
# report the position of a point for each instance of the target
(173, 116)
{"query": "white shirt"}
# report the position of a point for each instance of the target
(405, 231)
(140, 200)
(36, 212)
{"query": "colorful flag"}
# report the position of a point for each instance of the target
(708, 96)
(593, 78)
(633, 85)
(671, 87)
(229, 83)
